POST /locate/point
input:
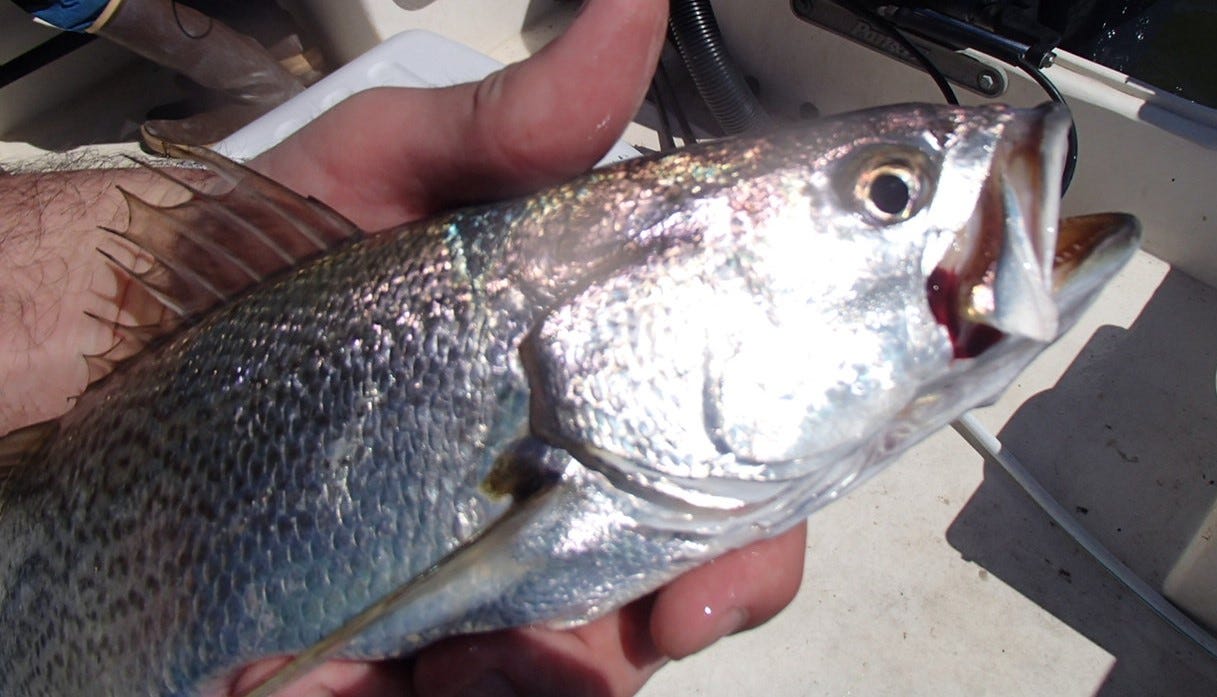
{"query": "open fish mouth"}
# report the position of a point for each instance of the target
(1016, 269)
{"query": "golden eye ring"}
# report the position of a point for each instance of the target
(889, 192)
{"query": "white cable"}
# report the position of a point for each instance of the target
(987, 444)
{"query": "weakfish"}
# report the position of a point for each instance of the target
(532, 411)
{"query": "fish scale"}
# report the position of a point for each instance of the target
(335, 466)
(531, 411)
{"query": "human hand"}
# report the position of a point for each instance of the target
(536, 123)
(392, 155)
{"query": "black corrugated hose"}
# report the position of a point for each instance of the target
(695, 33)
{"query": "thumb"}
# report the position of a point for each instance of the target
(392, 154)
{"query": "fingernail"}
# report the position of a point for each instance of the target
(730, 622)
(490, 684)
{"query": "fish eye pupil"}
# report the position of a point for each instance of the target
(889, 193)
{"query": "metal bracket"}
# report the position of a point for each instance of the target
(969, 73)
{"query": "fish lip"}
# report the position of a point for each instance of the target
(997, 278)
(1089, 250)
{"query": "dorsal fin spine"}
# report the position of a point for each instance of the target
(303, 228)
(252, 229)
(161, 297)
(183, 272)
(306, 230)
(218, 208)
(128, 332)
(186, 231)
(99, 366)
(211, 247)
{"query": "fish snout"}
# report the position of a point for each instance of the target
(997, 277)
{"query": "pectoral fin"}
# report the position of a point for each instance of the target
(475, 574)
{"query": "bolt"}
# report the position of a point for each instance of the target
(986, 82)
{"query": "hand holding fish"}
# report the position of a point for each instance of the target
(389, 156)
(555, 409)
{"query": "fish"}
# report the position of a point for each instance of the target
(529, 411)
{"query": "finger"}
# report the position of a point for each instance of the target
(392, 154)
(612, 656)
(740, 590)
(332, 679)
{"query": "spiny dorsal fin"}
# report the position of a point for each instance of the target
(16, 447)
(205, 251)
(310, 218)
(208, 249)
(99, 366)
(134, 336)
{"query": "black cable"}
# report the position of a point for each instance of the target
(669, 92)
(186, 32)
(695, 33)
(948, 93)
(953, 31)
(1071, 160)
(41, 55)
(666, 142)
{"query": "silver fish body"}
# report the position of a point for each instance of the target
(539, 410)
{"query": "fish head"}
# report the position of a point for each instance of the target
(903, 274)
(821, 299)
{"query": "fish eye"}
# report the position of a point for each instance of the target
(888, 192)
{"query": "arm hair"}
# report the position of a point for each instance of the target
(51, 274)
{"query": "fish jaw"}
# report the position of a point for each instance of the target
(1066, 262)
(1015, 278)
(1090, 249)
(1088, 252)
(1016, 272)
(995, 279)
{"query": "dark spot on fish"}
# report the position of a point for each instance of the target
(1081, 509)
(520, 471)
(204, 509)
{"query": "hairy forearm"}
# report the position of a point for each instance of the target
(51, 275)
